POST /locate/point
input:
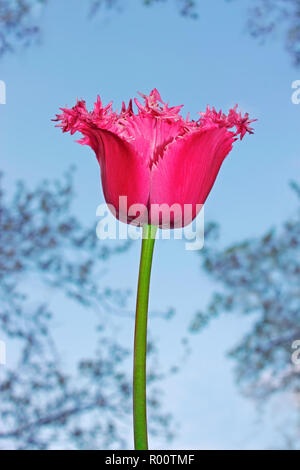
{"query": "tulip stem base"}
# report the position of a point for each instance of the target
(140, 340)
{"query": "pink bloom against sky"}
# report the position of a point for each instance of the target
(156, 158)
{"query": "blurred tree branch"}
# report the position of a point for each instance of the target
(19, 19)
(43, 405)
(260, 277)
(17, 23)
(268, 16)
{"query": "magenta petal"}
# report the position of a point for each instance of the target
(186, 173)
(123, 173)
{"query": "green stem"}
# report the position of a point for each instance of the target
(140, 340)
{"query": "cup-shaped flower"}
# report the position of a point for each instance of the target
(156, 166)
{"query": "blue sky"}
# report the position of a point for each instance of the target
(209, 61)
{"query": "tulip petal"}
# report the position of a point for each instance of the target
(123, 173)
(186, 173)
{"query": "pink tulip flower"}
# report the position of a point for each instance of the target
(164, 166)
(156, 158)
